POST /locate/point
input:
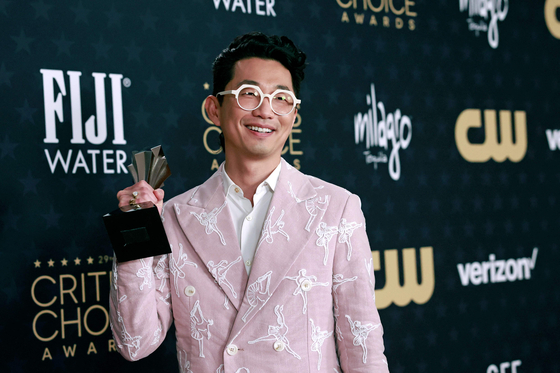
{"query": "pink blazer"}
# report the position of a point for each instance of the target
(308, 304)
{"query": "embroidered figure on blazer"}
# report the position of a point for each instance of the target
(210, 221)
(304, 284)
(219, 272)
(312, 206)
(338, 280)
(226, 302)
(278, 333)
(369, 268)
(184, 366)
(176, 267)
(260, 287)
(269, 230)
(361, 333)
(157, 334)
(145, 273)
(318, 337)
(162, 271)
(164, 299)
(200, 327)
(325, 234)
(220, 369)
(346, 231)
(177, 209)
(129, 341)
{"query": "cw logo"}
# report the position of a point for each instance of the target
(491, 147)
(552, 22)
(411, 290)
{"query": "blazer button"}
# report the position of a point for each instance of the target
(232, 349)
(190, 290)
(306, 285)
(279, 346)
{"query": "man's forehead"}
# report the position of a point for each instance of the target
(262, 73)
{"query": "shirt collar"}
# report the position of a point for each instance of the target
(271, 180)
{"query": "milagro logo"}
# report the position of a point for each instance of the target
(480, 11)
(107, 161)
(381, 130)
(494, 271)
(259, 7)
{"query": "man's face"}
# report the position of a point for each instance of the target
(240, 127)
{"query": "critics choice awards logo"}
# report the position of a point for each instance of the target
(383, 133)
(398, 14)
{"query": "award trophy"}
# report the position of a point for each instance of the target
(136, 230)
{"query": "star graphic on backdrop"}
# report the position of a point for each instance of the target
(186, 87)
(51, 263)
(3, 4)
(5, 76)
(302, 37)
(64, 262)
(168, 54)
(183, 25)
(425, 230)
(101, 49)
(416, 73)
(333, 95)
(91, 217)
(133, 51)
(51, 218)
(314, 10)
(403, 233)
(177, 183)
(343, 69)
(29, 183)
(309, 151)
(201, 57)
(89, 260)
(356, 42)
(330, 40)
(63, 45)
(41, 9)
(7, 148)
(109, 184)
(215, 27)
(113, 17)
(336, 152)
(141, 117)
(77, 261)
(369, 70)
(206, 86)
(380, 44)
(70, 182)
(153, 85)
(318, 67)
(378, 234)
(37, 263)
(10, 219)
(189, 150)
(149, 20)
(81, 13)
(26, 112)
(171, 118)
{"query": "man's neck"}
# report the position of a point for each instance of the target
(249, 174)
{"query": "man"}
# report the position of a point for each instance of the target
(270, 270)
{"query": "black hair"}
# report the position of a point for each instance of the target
(257, 44)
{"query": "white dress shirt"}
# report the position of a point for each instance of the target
(248, 220)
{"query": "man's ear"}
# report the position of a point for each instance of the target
(212, 107)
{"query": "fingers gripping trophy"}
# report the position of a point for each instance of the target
(135, 228)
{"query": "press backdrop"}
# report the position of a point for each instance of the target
(443, 116)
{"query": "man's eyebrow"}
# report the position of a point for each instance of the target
(252, 82)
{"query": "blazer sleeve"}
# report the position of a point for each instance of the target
(359, 329)
(140, 305)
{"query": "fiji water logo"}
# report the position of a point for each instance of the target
(484, 16)
(382, 132)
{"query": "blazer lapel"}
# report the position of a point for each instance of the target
(284, 235)
(206, 222)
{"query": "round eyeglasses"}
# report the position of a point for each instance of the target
(250, 97)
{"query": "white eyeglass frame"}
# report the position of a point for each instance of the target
(262, 96)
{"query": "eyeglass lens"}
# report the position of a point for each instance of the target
(249, 99)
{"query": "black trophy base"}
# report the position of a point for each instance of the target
(136, 232)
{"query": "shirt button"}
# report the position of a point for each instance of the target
(237, 190)
(279, 346)
(249, 218)
(190, 290)
(248, 263)
(306, 285)
(231, 349)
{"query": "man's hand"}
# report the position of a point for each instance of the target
(145, 193)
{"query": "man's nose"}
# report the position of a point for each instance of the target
(265, 110)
